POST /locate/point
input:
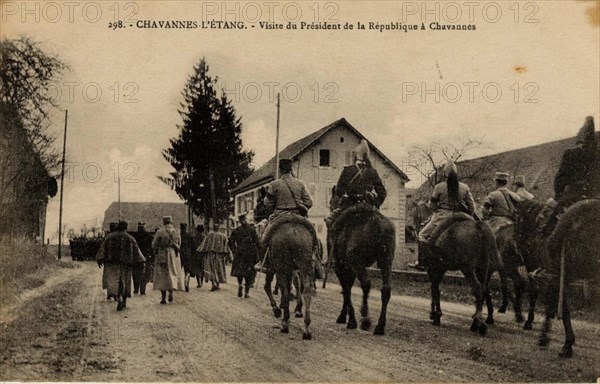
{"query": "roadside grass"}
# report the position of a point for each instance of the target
(24, 265)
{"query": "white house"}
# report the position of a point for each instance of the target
(318, 160)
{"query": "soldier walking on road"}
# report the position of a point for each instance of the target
(120, 250)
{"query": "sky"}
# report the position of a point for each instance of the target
(529, 73)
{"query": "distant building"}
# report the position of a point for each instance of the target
(149, 213)
(318, 161)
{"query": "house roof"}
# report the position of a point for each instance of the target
(537, 163)
(150, 213)
(266, 173)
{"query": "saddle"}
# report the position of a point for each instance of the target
(447, 223)
(356, 213)
(285, 219)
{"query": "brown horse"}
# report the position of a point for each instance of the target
(361, 236)
(469, 247)
(291, 248)
(526, 237)
(572, 252)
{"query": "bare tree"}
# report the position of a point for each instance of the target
(428, 160)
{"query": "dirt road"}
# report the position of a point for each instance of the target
(68, 331)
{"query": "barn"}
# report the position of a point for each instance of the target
(318, 160)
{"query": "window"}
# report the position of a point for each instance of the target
(324, 157)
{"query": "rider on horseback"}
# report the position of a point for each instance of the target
(499, 204)
(519, 185)
(448, 198)
(358, 183)
(285, 196)
(578, 177)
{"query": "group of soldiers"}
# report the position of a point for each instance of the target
(578, 178)
(171, 257)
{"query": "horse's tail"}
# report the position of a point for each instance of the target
(489, 251)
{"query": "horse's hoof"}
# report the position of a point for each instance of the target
(483, 329)
(120, 306)
(431, 316)
(489, 320)
(519, 318)
(502, 309)
(566, 352)
(351, 324)
(365, 324)
(379, 330)
(544, 340)
(474, 326)
(277, 312)
(299, 314)
(307, 336)
(341, 319)
(528, 326)
(187, 288)
(284, 330)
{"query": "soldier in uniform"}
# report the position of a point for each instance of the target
(244, 244)
(287, 194)
(357, 183)
(447, 198)
(499, 205)
(519, 185)
(140, 275)
(186, 251)
(121, 250)
(578, 176)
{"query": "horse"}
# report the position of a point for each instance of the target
(291, 241)
(468, 246)
(571, 252)
(361, 236)
(518, 246)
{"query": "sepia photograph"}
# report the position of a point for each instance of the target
(300, 191)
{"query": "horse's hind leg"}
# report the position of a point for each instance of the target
(365, 284)
(386, 292)
(551, 304)
(435, 277)
(519, 284)
(505, 293)
(285, 285)
(479, 292)
(298, 288)
(533, 293)
(488, 297)
(307, 293)
(268, 281)
(346, 279)
(567, 348)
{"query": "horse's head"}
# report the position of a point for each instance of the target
(530, 215)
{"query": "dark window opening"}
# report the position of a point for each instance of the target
(324, 158)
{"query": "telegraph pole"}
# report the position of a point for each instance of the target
(62, 183)
(119, 198)
(277, 139)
